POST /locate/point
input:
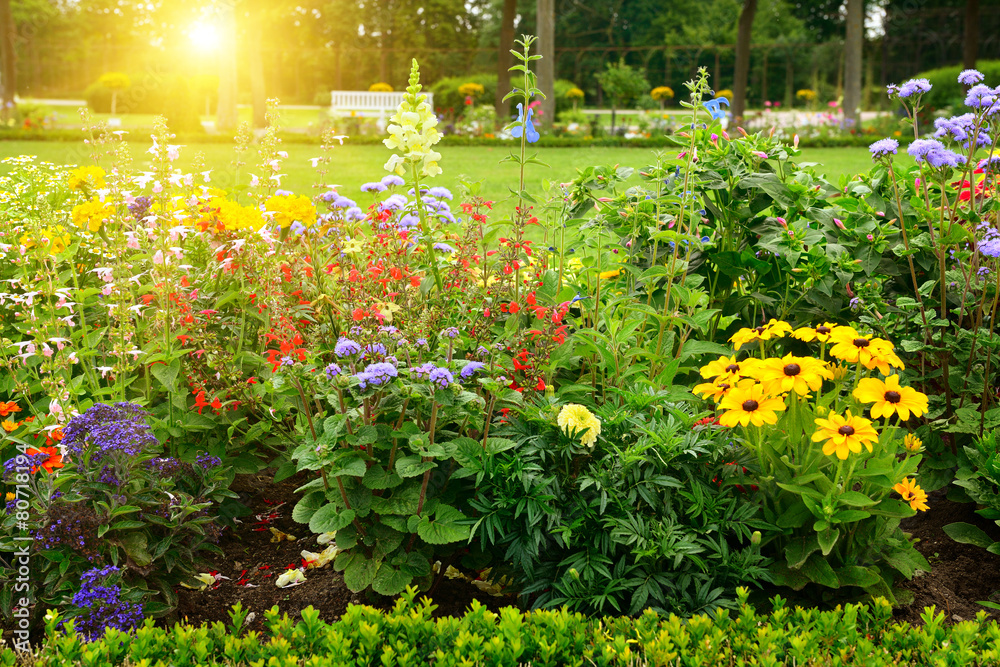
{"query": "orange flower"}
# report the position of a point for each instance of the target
(50, 464)
(9, 426)
(8, 407)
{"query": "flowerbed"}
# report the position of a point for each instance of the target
(617, 398)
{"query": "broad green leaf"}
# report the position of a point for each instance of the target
(389, 581)
(444, 529)
(378, 477)
(819, 571)
(307, 506)
(966, 533)
(330, 518)
(411, 466)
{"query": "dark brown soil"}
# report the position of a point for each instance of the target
(961, 574)
(252, 562)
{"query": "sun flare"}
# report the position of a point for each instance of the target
(204, 36)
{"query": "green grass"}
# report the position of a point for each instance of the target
(354, 165)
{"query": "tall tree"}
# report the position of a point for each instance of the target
(8, 63)
(970, 46)
(853, 55)
(547, 65)
(504, 57)
(743, 35)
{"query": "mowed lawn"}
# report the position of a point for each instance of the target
(353, 165)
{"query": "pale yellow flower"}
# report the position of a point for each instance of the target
(575, 418)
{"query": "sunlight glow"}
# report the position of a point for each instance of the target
(204, 36)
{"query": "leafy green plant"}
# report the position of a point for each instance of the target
(622, 84)
(979, 477)
(652, 514)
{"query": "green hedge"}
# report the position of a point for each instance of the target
(947, 91)
(408, 636)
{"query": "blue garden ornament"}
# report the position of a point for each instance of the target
(532, 135)
(713, 107)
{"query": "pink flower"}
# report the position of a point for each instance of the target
(839, 224)
(158, 257)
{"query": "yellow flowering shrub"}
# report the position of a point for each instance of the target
(662, 93)
(52, 240)
(806, 95)
(471, 89)
(380, 87)
(92, 214)
(574, 93)
(287, 209)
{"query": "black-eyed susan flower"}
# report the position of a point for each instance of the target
(726, 368)
(790, 373)
(748, 403)
(773, 329)
(820, 332)
(912, 443)
(848, 343)
(844, 434)
(881, 354)
(714, 390)
(913, 494)
(889, 398)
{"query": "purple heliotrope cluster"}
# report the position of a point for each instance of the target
(102, 605)
(106, 431)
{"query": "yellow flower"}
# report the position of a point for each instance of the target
(913, 494)
(773, 329)
(9, 497)
(890, 398)
(662, 93)
(8, 425)
(845, 434)
(471, 89)
(726, 368)
(53, 240)
(747, 403)
(849, 345)
(413, 130)
(820, 332)
(353, 245)
(234, 217)
(291, 208)
(608, 275)
(575, 418)
(881, 354)
(92, 214)
(380, 87)
(574, 93)
(799, 374)
(715, 389)
(91, 177)
(912, 443)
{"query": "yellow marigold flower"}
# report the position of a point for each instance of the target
(8, 425)
(608, 275)
(747, 403)
(913, 494)
(574, 93)
(820, 332)
(912, 443)
(881, 354)
(890, 398)
(234, 217)
(291, 208)
(716, 389)
(575, 418)
(52, 240)
(845, 434)
(92, 214)
(9, 497)
(790, 373)
(91, 177)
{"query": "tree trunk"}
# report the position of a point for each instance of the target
(225, 114)
(547, 65)
(853, 56)
(743, 35)
(970, 47)
(505, 59)
(258, 96)
(8, 62)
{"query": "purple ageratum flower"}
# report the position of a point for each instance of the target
(921, 147)
(945, 158)
(332, 371)
(422, 342)
(407, 221)
(354, 214)
(376, 375)
(482, 351)
(344, 202)
(440, 193)
(989, 245)
(376, 186)
(471, 369)
(450, 332)
(444, 247)
(394, 202)
(345, 347)
(883, 148)
(283, 193)
(980, 97)
(441, 376)
(424, 370)
(376, 349)
(109, 431)
(990, 164)
(914, 87)
(970, 77)
(391, 180)
(329, 196)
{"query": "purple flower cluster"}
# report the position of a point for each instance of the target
(444, 247)
(970, 77)
(392, 180)
(70, 526)
(109, 430)
(376, 375)
(934, 153)
(25, 462)
(345, 347)
(960, 128)
(102, 606)
(989, 245)
(166, 466)
(440, 193)
(206, 461)
(332, 371)
(911, 88)
(450, 332)
(436, 374)
(471, 369)
(883, 147)
(980, 97)
(139, 208)
(376, 348)
(394, 202)
(376, 186)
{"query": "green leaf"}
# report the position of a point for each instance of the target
(359, 573)
(330, 518)
(390, 581)
(378, 477)
(826, 539)
(350, 464)
(127, 525)
(404, 500)
(850, 516)
(307, 506)
(855, 575)
(167, 374)
(444, 529)
(799, 549)
(855, 499)
(134, 545)
(819, 571)
(966, 533)
(411, 466)
(795, 516)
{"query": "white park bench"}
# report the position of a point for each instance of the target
(368, 104)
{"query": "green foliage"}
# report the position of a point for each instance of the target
(979, 476)
(408, 636)
(947, 91)
(622, 83)
(154, 93)
(653, 516)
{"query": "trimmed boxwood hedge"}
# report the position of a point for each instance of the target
(855, 634)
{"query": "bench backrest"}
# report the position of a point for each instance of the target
(363, 100)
